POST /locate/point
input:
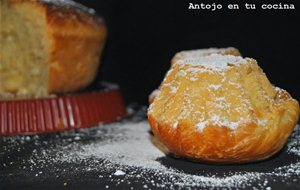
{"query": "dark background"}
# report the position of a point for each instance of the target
(144, 35)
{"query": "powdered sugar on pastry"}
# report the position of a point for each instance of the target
(215, 61)
(221, 108)
(216, 109)
(205, 52)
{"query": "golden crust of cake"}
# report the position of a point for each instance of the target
(72, 37)
(197, 53)
(221, 109)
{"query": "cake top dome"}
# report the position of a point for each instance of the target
(215, 90)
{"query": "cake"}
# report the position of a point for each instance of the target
(48, 46)
(197, 53)
(221, 109)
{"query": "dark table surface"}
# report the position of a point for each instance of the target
(23, 166)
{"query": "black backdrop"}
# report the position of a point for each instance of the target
(145, 34)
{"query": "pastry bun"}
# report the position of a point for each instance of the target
(221, 109)
(48, 46)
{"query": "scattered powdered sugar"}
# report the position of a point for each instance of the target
(126, 148)
(217, 121)
(215, 86)
(181, 73)
(125, 153)
(261, 122)
(193, 78)
(119, 172)
(154, 93)
(173, 89)
(201, 126)
(214, 61)
(293, 144)
(175, 125)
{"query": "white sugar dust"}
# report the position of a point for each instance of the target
(123, 153)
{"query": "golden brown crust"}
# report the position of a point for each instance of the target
(221, 145)
(77, 39)
(73, 70)
(232, 115)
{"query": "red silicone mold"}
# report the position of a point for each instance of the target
(60, 113)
